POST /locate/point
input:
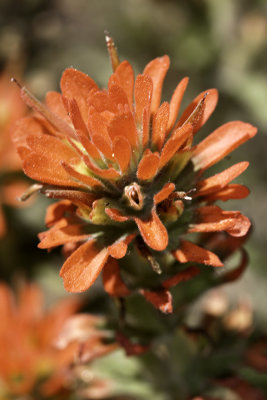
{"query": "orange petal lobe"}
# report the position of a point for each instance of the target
(125, 75)
(190, 252)
(25, 127)
(146, 126)
(103, 145)
(160, 122)
(116, 215)
(241, 226)
(174, 143)
(123, 125)
(122, 152)
(211, 101)
(220, 180)
(51, 147)
(118, 249)
(161, 299)
(56, 211)
(77, 85)
(143, 94)
(58, 237)
(101, 101)
(164, 193)
(157, 70)
(148, 167)
(117, 94)
(112, 281)
(175, 102)
(82, 268)
(153, 232)
(76, 117)
(214, 219)
(97, 124)
(88, 146)
(221, 142)
(45, 169)
(229, 192)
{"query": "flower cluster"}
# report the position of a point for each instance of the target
(128, 176)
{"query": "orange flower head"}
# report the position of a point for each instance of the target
(38, 346)
(127, 173)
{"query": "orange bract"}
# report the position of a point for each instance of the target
(120, 166)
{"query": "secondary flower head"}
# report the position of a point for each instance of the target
(128, 174)
(38, 346)
(27, 335)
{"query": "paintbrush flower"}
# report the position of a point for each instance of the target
(128, 175)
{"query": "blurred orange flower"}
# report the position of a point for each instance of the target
(128, 173)
(36, 350)
(12, 107)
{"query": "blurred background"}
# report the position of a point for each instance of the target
(216, 43)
